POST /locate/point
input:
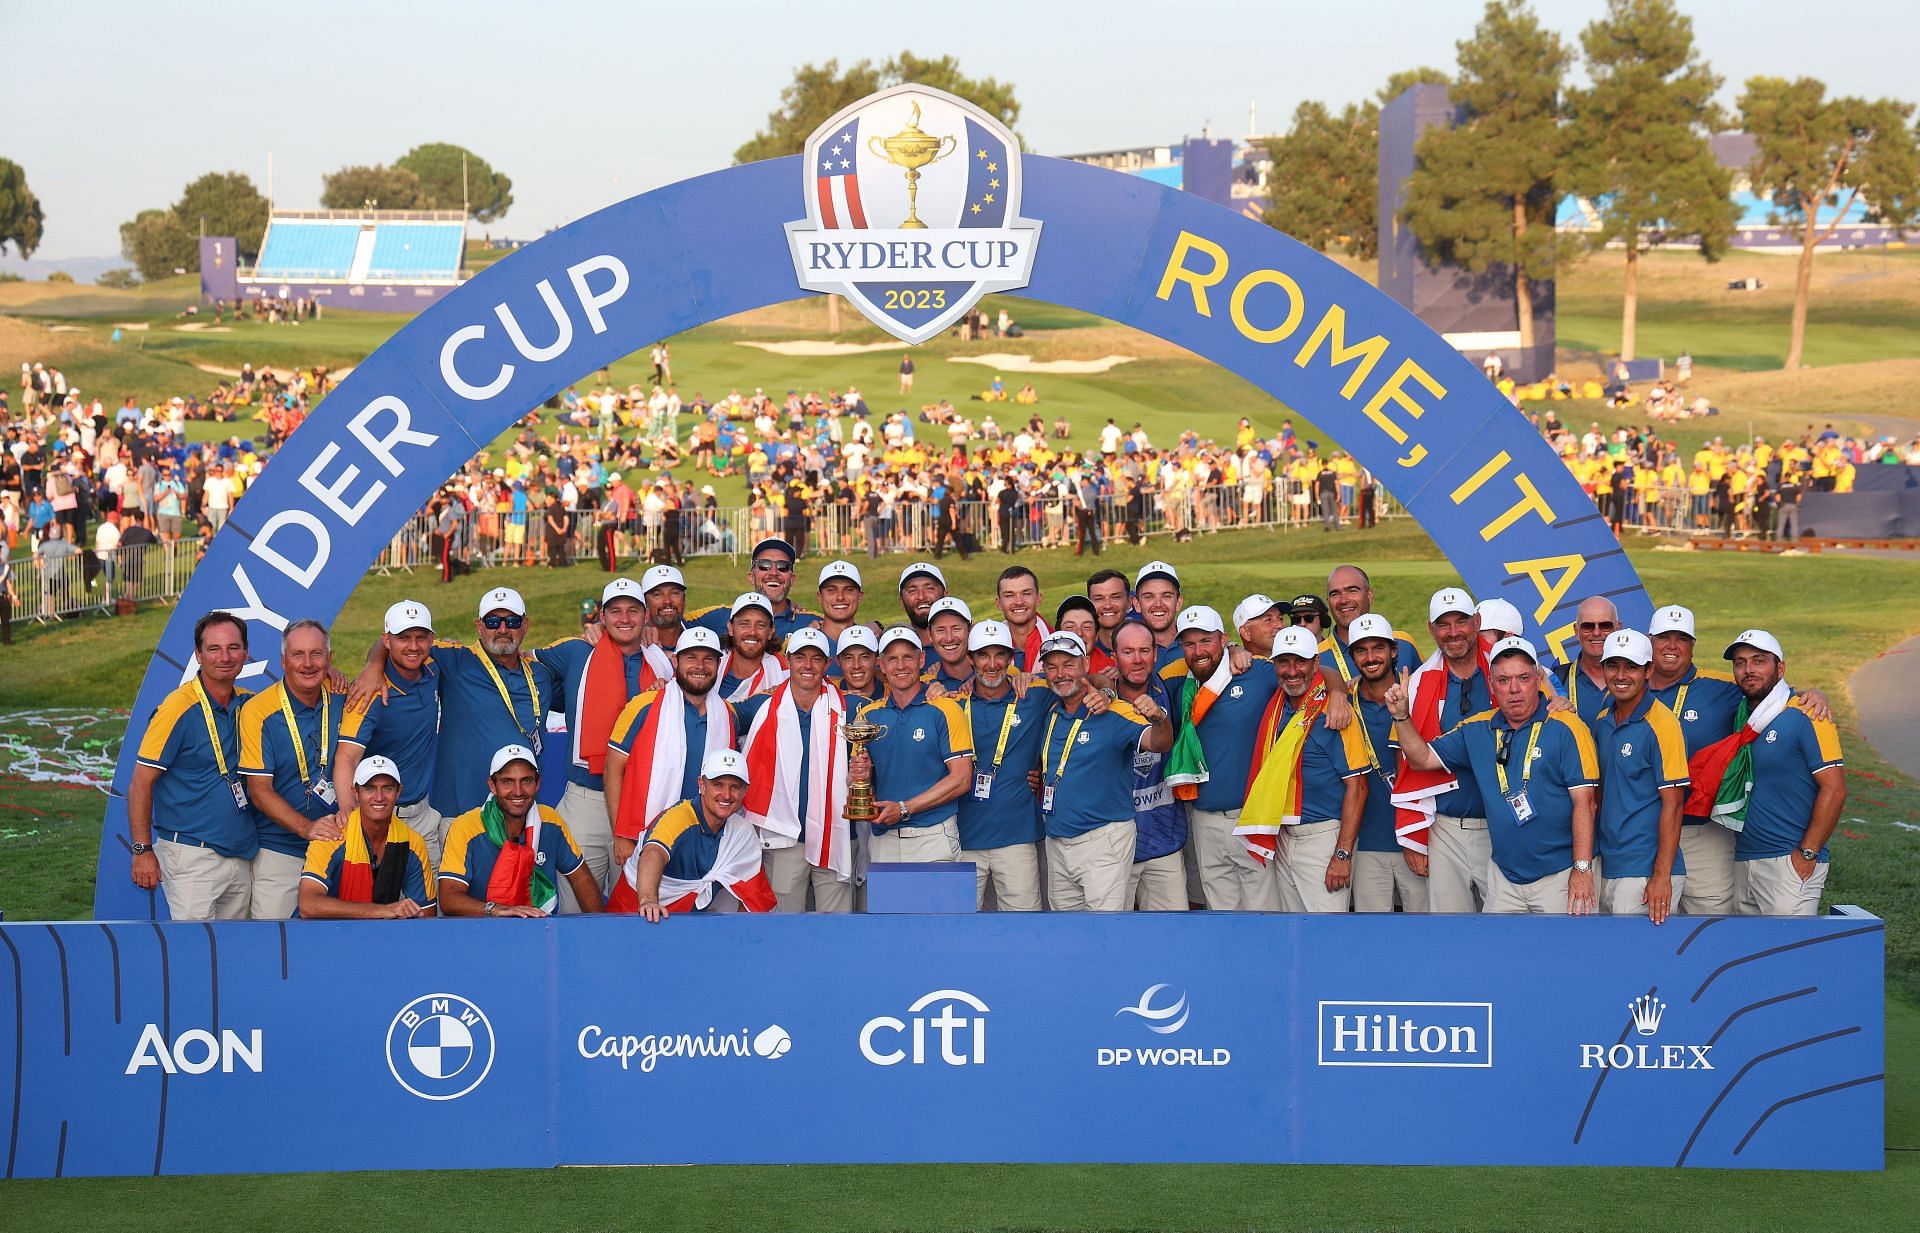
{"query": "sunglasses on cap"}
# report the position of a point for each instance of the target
(495, 622)
(777, 567)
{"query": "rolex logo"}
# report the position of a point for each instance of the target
(1647, 1011)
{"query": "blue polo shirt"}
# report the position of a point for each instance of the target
(1639, 756)
(1327, 761)
(946, 680)
(1159, 819)
(266, 749)
(1707, 705)
(1092, 778)
(1377, 819)
(1169, 662)
(912, 755)
(1785, 757)
(1564, 760)
(633, 717)
(405, 726)
(1335, 655)
(691, 846)
(1463, 698)
(567, 660)
(468, 856)
(784, 623)
(1227, 734)
(1011, 812)
(190, 798)
(476, 724)
(1576, 687)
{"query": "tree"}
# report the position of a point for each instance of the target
(21, 218)
(1638, 141)
(817, 91)
(1481, 194)
(1816, 154)
(1398, 83)
(59, 276)
(449, 174)
(118, 280)
(157, 244)
(388, 188)
(223, 203)
(1326, 176)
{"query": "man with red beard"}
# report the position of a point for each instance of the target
(797, 781)
(1440, 816)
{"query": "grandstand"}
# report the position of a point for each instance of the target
(384, 260)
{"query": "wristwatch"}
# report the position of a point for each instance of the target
(1341, 854)
(1583, 866)
(1809, 854)
(489, 908)
(905, 813)
(138, 848)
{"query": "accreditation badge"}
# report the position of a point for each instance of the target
(1046, 799)
(982, 785)
(239, 791)
(322, 789)
(1521, 806)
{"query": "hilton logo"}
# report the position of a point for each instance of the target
(1453, 1034)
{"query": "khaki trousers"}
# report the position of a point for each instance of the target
(584, 810)
(276, 885)
(1089, 873)
(792, 877)
(1159, 884)
(1459, 853)
(1707, 850)
(1768, 886)
(1627, 896)
(1301, 868)
(1013, 872)
(1231, 880)
(1544, 897)
(1379, 876)
(201, 884)
(426, 820)
(917, 844)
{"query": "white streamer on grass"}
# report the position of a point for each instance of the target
(67, 746)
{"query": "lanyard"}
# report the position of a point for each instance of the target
(293, 730)
(1680, 702)
(1373, 756)
(1500, 756)
(533, 694)
(1340, 661)
(1066, 751)
(213, 733)
(1006, 728)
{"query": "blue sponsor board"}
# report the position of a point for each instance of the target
(264, 1047)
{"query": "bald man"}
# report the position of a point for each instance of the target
(1583, 683)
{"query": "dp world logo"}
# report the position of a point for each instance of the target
(440, 1047)
(1163, 1011)
(1164, 1020)
(913, 210)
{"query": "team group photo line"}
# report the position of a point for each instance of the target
(1132, 753)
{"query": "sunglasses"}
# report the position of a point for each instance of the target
(1597, 627)
(1306, 618)
(511, 622)
(776, 567)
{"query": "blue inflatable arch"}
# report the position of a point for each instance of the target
(1389, 390)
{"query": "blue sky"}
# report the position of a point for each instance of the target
(583, 104)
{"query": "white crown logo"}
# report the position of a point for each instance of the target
(1647, 1011)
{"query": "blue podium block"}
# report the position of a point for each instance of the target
(936, 886)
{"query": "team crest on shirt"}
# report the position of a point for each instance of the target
(1626, 749)
(913, 210)
(1016, 720)
(1236, 692)
(1772, 736)
(1690, 715)
(919, 734)
(1084, 738)
(540, 857)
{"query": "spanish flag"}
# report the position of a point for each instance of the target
(1276, 782)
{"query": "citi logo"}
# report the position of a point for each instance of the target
(1442, 1034)
(887, 1041)
(1647, 1011)
(195, 1052)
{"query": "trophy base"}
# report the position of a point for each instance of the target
(913, 224)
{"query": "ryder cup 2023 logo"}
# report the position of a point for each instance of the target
(913, 210)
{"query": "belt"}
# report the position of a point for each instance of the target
(184, 840)
(916, 830)
(1465, 824)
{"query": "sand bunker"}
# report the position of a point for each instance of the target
(201, 327)
(815, 347)
(1026, 363)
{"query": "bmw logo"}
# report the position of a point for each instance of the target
(440, 1047)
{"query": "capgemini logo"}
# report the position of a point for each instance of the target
(1164, 1020)
(1647, 1011)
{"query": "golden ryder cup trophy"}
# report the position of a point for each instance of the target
(912, 149)
(860, 733)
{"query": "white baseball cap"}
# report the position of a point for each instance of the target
(1498, 615)
(1369, 625)
(953, 604)
(1252, 606)
(751, 599)
(1672, 619)
(1512, 644)
(810, 636)
(990, 633)
(858, 635)
(408, 614)
(1759, 640)
(842, 569)
(1628, 644)
(697, 638)
(503, 597)
(922, 567)
(1156, 569)
(900, 633)
(513, 753)
(622, 588)
(662, 575)
(1449, 599)
(724, 762)
(1199, 617)
(376, 765)
(1296, 641)
(1063, 642)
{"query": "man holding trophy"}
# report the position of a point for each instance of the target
(918, 763)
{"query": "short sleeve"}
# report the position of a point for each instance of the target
(1353, 748)
(253, 742)
(1451, 747)
(1670, 748)
(453, 855)
(572, 850)
(628, 722)
(420, 876)
(160, 743)
(958, 734)
(1823, 745)
(358, 727)
(320, 854)
(1581, 763)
